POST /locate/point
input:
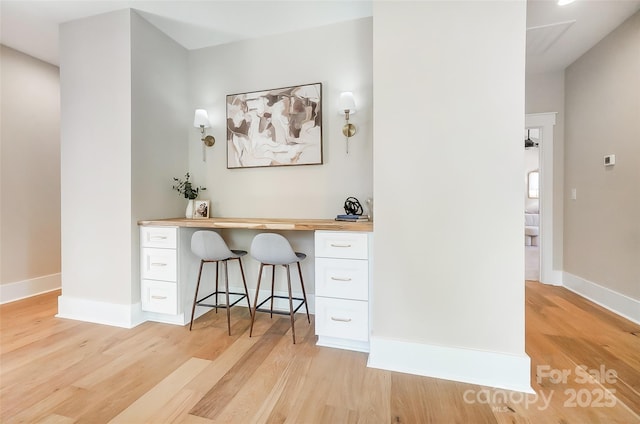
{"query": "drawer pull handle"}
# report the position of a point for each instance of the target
(340, 245)
(158, 264)
(341, 319)
(158, 238)
(159, 297)
(340, 279)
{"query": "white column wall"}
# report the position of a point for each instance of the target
(448, 296)
(160, 121)
(95, 79)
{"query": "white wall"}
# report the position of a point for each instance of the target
(449, 104)
(123, 135)
(340, 57)
(602, 229)
(95, 77)
(545, 93)
(160, 120)
(30, 176)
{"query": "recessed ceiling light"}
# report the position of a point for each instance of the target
(564, 2)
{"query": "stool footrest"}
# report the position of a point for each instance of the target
(221, 306)
(277, 311)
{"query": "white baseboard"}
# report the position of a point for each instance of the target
(117, 315)
(22, 289)
(129, 316)
(494, 369)
(617, 303)
(553, 278)
(338, 343)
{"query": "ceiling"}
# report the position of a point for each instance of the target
(556, 35)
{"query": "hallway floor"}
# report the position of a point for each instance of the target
(532, 263)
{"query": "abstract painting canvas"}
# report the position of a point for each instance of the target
(277, 127)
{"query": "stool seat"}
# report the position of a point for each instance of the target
(210, 247)
(272, 249)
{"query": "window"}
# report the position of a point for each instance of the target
(533, 184)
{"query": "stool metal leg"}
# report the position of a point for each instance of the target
(226, 290)
(304, 293)
(216, 308)
(293, 328)
(255, 303)
(273, 282)
(246, 290)
(195, 298)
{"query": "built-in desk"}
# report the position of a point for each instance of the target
(263, 224)
(343, 265)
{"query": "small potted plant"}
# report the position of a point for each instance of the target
(187, 189)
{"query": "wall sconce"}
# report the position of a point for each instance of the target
(347, 106)
(201, 121)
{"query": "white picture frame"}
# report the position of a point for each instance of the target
(201, 209)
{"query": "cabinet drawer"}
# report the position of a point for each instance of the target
(341, 244)
(160, 296)
(346, 319)
(163, 237)
(342, 278)
(159, 264)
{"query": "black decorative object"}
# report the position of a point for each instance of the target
(352, 206)
(528, 143)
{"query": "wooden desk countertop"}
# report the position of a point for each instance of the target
(263, 224)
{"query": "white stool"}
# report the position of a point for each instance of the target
(210, 247)
(273, 249)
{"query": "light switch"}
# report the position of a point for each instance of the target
(574, 194)
(609, 160)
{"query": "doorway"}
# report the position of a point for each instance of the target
(544, 123)
(532, 204)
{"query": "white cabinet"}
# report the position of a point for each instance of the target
(160, 297)
(342, 278)
(166, 271)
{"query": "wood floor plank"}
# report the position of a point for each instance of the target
(55, 370)
(270, 383)
(177, 408)
(40, 410)
(145, 407)
(310, 402)
(226, 388)
(221, 365)
(56, 419)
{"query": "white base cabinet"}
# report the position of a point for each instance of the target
(168, 272)
(343, 280)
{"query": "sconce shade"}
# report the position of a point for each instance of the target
(347, 102)
(201, 119)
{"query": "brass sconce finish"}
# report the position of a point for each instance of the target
(349, 130)
(347, 106)
(208, 140)
(201, 121)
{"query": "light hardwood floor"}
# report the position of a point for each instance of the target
(61, 371)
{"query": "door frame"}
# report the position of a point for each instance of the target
(545, 122)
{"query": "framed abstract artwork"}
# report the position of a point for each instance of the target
(278, 127)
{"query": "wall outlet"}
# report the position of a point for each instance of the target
(609, 160)
(574, 194)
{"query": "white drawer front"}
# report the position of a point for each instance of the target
(342, 278)
(160, 296)
(343, 244)
(346, 319)
(159, 264)
(163, 237)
